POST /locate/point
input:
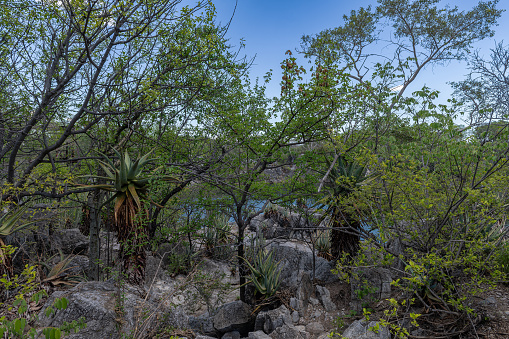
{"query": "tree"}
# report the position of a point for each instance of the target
(484, 94)
(78, 76)
(254, 146)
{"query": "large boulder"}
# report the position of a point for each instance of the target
(108, 311)
(297, 257)
(203, 324)
(233, 316)
(71, 241)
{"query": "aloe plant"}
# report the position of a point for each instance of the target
(129, 187)
(344, 178)
(264, 273)
(8, 222)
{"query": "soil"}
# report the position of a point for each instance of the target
(496, 315)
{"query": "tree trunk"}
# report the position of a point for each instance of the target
(94, 251)
(341, 241)
(242, 264)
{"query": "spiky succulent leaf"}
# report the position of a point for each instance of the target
(134, 194)
(8, 222)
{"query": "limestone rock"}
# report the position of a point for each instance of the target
(268, 321)
(231, 335)
(286, 332)
(324, 296)
(294, 258)
(359, 329)
(258, 335)
(315, 328)
(71, 241)
(203, 324)
(232, 316)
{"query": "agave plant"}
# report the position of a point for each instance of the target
(8, 225)
(129, 188)
(345, 177)
(264, 273)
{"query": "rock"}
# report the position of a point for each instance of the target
(231, 335)
(490, 301)
(296, 257)
(254, 226)
(98, 303)
(110, 312)
(71, 241)
(232, 316)
(359, 329)
(295, 317)
(286, 332)
(314, 301)
(94, 300)
(294, 303)
(315, 328)
(268, 321)
(203, 324)
(324, 296)
(304, 292)
(258, 335)
(199, 336)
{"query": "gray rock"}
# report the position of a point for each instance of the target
(98, 303)
(232, 316)
(295, 317)
(258, 335)
(78, 266)
(71, 241)
(360, 329)
(199, 336)
(231, 335)
(304, 291)
(296, 257)
(202, 324)
(324, 296)
(268, 321)
(490, 301)
(294, 303)
(286, 332)
(315, 328)
(314, 301)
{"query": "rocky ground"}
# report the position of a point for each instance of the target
(204, 303)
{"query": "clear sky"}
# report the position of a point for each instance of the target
(271, 27)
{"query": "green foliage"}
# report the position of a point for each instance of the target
(126, 181)
(28, 292)
(502, 257)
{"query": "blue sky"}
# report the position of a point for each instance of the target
(271, 27)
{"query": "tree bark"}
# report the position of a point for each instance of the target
(94, 251)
